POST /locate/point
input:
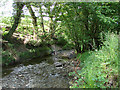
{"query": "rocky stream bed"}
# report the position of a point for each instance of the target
(46, 72)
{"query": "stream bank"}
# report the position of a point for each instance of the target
(13, 53)
(35, 66)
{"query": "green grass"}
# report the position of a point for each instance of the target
(99, 66)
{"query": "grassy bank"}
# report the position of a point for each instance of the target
(100, 67)
(12, 54)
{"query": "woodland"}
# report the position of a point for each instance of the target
(91, 29)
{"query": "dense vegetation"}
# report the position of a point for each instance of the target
(92, 29)
(100, 66)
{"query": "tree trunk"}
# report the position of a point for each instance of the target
(52, 27)
(42, 24)
(16, 18)
(54, 22)
(34, 22)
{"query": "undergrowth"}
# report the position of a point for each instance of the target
(100, 67)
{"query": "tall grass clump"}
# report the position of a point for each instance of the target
(99, 67)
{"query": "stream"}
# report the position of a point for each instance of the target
(47, 72)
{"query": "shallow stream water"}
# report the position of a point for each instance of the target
(47, 72)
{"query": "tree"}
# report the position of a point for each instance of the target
(53, 11)
(34, 18)
(18, 6)
(86, 21)
(41, 14)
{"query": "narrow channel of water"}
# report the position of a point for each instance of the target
(47, 72)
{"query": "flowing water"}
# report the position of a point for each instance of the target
(46, 72)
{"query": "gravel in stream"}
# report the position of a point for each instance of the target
(42, 75)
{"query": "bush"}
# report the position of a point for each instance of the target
(99, 66)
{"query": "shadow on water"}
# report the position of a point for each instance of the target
(49, 71)
(8, 69)
(38, 60)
